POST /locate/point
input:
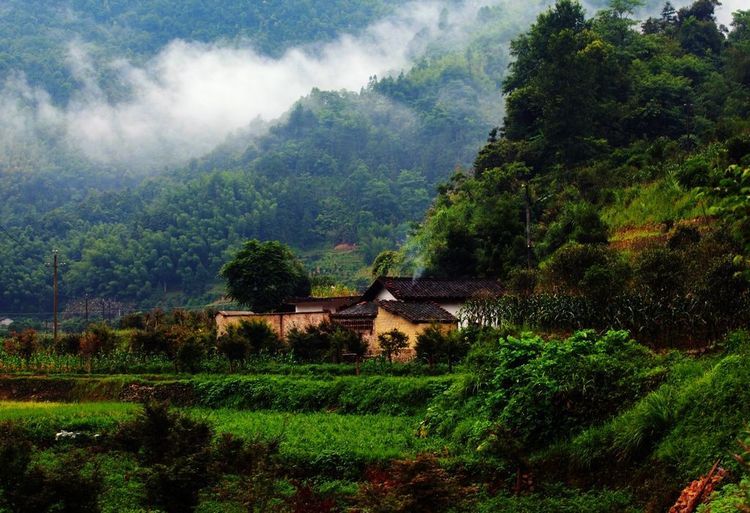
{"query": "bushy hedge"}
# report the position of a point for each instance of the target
(393, 396)
(527, 392)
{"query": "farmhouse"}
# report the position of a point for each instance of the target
(410, 305)
(450, 295)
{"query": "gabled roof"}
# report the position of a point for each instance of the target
(364, 309)
(417, 312)
(426, 289)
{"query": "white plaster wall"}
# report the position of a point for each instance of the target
(451, 308)
(385, 296)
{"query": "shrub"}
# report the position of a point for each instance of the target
(412, 486)
(189, 354)
(153, 341)
(392, 342)
(326, 341)
(69, 343)
(23, 344)
(661, 272)
(579, 223)
(260, 337)
(98, 339)
(538, 392)
(175, 487)
(133, 321)
(522, 282)
(684, 237)
(431, 344)
(65, 486)
(593, 271)
(346, 341)
(158, 435)
(234, 347)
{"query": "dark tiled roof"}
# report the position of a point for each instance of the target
(424, 289)
(364, 309)
(417, 312)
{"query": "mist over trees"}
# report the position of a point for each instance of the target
(346, 167)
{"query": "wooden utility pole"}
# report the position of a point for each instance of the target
(55, 268)
(527, 201)
(54, 293)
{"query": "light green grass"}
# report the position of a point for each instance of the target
(364, 438)
(663, 200)
(45, 419)
(329, 443)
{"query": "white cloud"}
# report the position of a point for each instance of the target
(190, 96)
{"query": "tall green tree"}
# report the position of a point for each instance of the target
(262, 275)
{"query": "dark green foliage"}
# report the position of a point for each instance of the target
(69, 343)
(248, 338)
(262, 275)
(434, 345)
(669, 424)
(385, 262)
(175, 487)
(567, 501)
(578, 222)
(595, 271)
(476, 226)
(585, 379)
(392, 342)
(542, 391)
(176, 452)
(350, 394)
(661, 272)
(158, 435)
(151, 341)
(64, 487)
(233, 346)
(430, 344)
(189, 354)
(592, 107)
(325, 341)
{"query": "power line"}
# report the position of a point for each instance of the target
(10, 235)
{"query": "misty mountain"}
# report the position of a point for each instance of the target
(89, 161)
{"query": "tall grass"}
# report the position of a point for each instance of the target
(659, 201)
(326, 443)
(686, 424)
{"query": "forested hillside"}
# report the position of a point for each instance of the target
(354, 167)
(361, 167)
(611, 124)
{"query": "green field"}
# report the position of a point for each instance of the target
(306, 438)
(321, 436)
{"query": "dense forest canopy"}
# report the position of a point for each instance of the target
(594, 106)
